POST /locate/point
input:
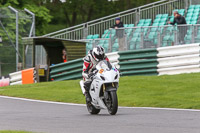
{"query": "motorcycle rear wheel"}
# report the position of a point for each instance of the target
(112, 109)
(92, 110)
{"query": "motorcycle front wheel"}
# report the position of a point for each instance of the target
(113, 103)
(91, 109)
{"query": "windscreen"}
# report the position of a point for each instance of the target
(104, 64)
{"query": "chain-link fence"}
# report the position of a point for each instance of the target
(195, 2)
(7, 46)
(14, 24)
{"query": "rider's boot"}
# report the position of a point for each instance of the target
(87, 97)
(87, 94)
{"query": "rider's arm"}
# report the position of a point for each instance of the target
(86, 67)
(106, 58)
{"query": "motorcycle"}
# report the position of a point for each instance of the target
(103, 89)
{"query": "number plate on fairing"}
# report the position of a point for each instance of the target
(101, 71)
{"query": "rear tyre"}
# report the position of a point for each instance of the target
(92, 110)
(113, 106)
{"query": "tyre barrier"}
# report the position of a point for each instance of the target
(4, 82)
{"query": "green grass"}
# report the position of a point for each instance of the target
(177, 91)
(8, 131)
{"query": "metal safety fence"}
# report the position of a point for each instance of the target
(14, 24)
(131, 16)
(136, 38)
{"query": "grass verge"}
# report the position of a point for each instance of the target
(177, 91)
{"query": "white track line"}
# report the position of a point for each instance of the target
(157, 108)
(41, 101)
(74, 104)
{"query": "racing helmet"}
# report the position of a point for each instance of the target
(98, 53)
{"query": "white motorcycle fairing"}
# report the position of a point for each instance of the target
(97, 86)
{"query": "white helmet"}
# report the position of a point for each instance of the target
(98, 53)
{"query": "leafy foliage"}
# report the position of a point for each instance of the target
(74, 12)
(42, 17)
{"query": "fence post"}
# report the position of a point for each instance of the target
(110, 42)
(32, 31)
(126, 41)
(17, 34)
(95, 42)
(193, 33)
(142, 39)
(159, 38)
(137, 16)
(186, 4)
(190, 2)
(85, 31)
(175, 36)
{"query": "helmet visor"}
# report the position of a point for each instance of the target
(99, 57)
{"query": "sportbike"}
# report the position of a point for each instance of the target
(103, 89)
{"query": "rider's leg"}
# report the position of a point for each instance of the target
(87, 89)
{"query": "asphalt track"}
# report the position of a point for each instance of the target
(50, 117)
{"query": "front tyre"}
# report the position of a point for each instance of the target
(91, 109)
(113, 106)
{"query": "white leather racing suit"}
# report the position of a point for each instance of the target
(88, 65)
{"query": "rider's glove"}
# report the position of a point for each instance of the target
(91, 75)
(95, 71)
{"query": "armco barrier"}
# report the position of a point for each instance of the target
(73, 69)
(26, 76)
(15, 78)
(138, 62)
(179, 70)
(113, 58)
(161, 61)
(16, 83)
(65, 71)
(184, 60)
(171, 51)
(179, 59)
(138, 54)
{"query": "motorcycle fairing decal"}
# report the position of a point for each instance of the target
(114, 69)
(101, 71)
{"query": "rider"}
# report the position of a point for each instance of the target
(90, 62)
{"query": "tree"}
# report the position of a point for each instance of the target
(41, 12)
(74, 12)
(42, 17)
